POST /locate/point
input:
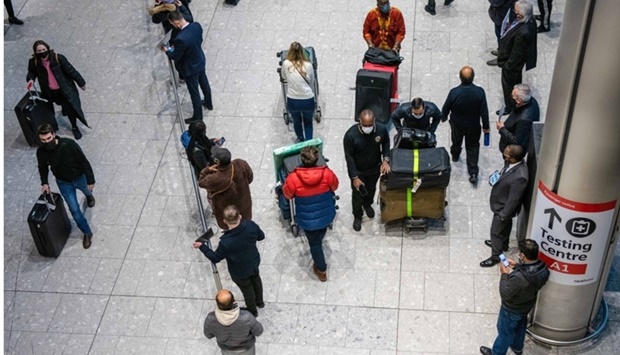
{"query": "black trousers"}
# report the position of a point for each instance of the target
(59, 99)
(252, 290)
(509, 80)
(193, 82)
(9, 8)
(370, 182)
(472, 145)
(500, 235)
(544, 6)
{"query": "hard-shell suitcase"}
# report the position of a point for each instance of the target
(31, 112)
(373, 92)
(412, 138)
(429, 167)
(394, 89)
(49, 225)
(402, 203)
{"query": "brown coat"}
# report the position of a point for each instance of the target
(229, 185)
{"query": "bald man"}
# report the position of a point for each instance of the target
(234, 329)
(467, 106)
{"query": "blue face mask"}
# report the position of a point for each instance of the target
(385, 8)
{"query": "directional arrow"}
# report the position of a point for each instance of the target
(552, 214)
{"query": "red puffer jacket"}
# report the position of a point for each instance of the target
(304, 182)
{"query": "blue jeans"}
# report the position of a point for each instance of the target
(315, 239)
(68, 192)
(511, 329)
(302, 111)
(193, 82)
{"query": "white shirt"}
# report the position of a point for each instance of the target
(297, 87)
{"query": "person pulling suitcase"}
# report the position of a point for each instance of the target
(72, 171)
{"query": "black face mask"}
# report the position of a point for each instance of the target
(51, 145)
(43, 55)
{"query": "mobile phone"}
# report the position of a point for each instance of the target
(221, 142)
(363, 190)
(503, 259)
(206, 236)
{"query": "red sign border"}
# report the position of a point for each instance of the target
(573, 205)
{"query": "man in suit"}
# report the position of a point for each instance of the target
(517, 48)
(517, 128)
(505, 200)
(186, 51)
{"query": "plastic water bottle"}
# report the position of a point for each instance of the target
(487, 139)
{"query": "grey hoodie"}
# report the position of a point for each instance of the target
(519, 289)
(234, 330)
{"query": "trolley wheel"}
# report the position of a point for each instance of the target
(317, 116)
(287, 120)
(295, 230)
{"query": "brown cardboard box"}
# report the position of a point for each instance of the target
(428, 203)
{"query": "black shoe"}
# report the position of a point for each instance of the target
(542, 29)
(517, 352)
(65, 112)
(369, 211)
(191, 119)
(488, 243)
(492, 62)
(506, 113)
(485, 351)
(76, 133)
(357, 224)
(430, 9)
(87, 242)
(260, 305)
(15, 21)
(455, 158)
(473, 178)
(255, 314)
(90, 201)
(448, 2)
(208, 107)
(489, 262)
(494, 52)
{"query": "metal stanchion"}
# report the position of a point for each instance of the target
(201, 211)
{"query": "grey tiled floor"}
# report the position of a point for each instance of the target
(142, 289)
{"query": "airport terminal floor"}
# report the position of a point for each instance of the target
(143, 289)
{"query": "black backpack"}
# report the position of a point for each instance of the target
(412, 138)
(380, 56)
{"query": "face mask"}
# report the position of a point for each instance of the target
(418, 116)
(385, 8)
(51, 145)
(368, 130)
(42, 55)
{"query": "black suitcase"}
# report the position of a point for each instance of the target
(372, 91)
(49, 225)
(412, 138)
(31, 112)
(433, 168)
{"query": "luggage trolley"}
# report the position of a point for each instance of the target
(285, 160)
(311, 54)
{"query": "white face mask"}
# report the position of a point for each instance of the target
(418, 116)
(368, 130)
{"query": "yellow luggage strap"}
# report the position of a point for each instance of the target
(416, 168)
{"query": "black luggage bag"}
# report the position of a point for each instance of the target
(430, 166)
(32, 112)
(412, 138)
(373, 91)
(49, 224)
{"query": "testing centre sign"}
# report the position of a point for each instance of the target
(572, 236)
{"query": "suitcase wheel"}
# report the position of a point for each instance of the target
(317, 116)
(287, 120)
(295, 230)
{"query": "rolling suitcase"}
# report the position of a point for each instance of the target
(33, 111)
(49, 224)
(429, 167)
(373, 92)
(394, 89)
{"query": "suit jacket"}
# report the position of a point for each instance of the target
(507, 193)
(518, 126)
(188, 56)
(518, 48)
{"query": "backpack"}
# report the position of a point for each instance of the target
(412, 138)
(380, 56)
(185, 138)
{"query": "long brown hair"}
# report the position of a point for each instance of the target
(36, 44)
(297, 56)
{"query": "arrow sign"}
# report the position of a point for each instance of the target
(552, 214)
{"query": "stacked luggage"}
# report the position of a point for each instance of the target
(415, 188)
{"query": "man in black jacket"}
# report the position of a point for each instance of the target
(364, 145)
(497, 12)
(517, 128)
(467, 105)
(72, 171)
(238, 246)
(517, 49)
(505, 200)
(518, 287)
(417, 114)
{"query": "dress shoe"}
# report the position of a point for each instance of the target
(542, 29)
(208, 107)
(489, 262)
(15, 21)
(76, 133)
(473, 178)
(369, 211)
(492, 62)
(488, 243)
(485, 350)
(191, 119)
(357, 224)
(430, 9)
(448, 2)
(455, 158)
(260, 305)
(90, 201)
(87, 242)
(494, 52)
(322, 275)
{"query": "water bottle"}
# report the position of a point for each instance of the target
(487, 139)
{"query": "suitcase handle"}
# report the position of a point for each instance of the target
(34, 90)
(50, 205)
